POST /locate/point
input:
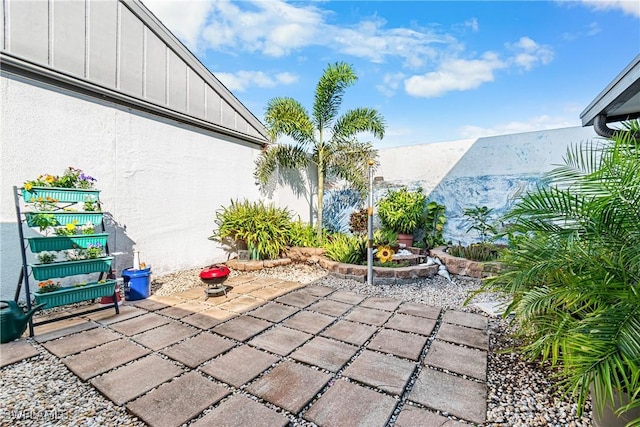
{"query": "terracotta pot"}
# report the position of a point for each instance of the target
(406, 239)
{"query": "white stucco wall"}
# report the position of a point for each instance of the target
(489, 171)
(161, 181)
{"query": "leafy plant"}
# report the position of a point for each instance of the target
(476, 252)
(264, 228)
(71, 178)
(44, 221)
(433, 221)
(68, 230)
(402, 210)
(46, 257)
(345, 248)
(574, 277)
(480, 220)
(323, 139)
(48, 286)
(385, 237)
(304, 234)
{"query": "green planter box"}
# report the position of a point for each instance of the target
(61, 243)
(76, 294)
(64, 218)
(70, 268)
(64, 195)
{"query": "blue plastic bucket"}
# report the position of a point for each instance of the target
(137, 283)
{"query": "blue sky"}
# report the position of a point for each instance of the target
(437, 71)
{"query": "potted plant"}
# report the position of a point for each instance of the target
(402, 211)
(573, 275)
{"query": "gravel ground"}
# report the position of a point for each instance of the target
(42, 392)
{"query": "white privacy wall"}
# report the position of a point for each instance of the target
(161, 181)
(489, 171)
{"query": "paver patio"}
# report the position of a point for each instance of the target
(260, 357)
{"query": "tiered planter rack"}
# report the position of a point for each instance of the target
(65, 198)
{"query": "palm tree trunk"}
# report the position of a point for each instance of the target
(320, 196)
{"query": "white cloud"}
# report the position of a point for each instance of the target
(543, 122)
(630, 7)
(242, 79)
(454, 74)
(528, 53)
(390, 83)
(185, 18)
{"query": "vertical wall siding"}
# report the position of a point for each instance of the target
(119, 45)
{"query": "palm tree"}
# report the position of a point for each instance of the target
(574, 273)
(323, 139)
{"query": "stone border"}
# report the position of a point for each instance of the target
(463, 266)
(381, 275)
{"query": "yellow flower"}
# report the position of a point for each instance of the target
(50, 179)
(71, 227)
(28, 186)
(384, 254)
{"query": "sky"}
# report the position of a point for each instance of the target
(436, 70)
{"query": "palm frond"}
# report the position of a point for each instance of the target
(359, 120)
(278, 156)
(328, 98)
(286, 116)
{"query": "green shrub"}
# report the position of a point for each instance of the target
(305, 235)
(385, 237)
(476, 252)
(402, 210)
(348, 249)
(264, 228)
(433, 221)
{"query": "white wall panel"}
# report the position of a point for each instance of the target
(155, 69)
(130, 53)
(177, 83)
(28, 23)
(196, 95)
(103, 39)
(69, 36)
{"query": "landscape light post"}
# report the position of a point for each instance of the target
(370, 228)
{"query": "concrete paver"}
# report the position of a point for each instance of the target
(408, 323)
(421, 310)
(350, 332)
(470, 320)
(240, 365)
(164, 335)
(209, 318)
(309, 321)
(388, 304)
(462, 335)
(242, 328)
(298, 299)
(240, 411)
(310, 342)
(76, 343)
(15, 351)
(385, 372)
(241, 304)
(176, 402)
(273, 312)
(401, 344)
(458, 396)
(289, 385)
(52, 331)
(348, 404)
(412, 416)
(461, 360)
(140, 324)
(182, 309)
(99, 360)
(108, 317)
(331, 308)
(133, 380)
(370, 316)
(325, 353)
(197, 350)
(347, 296)
(280, 340)
(318, 290)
